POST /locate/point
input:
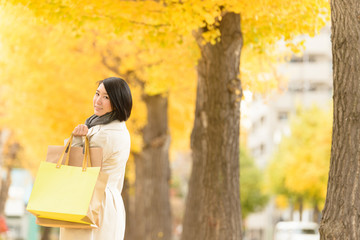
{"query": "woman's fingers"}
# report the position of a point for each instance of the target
(80, 130)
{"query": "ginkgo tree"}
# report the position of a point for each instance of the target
(75, 62)
(340, 218)
(300, 166)
(218, 33)
(40, 79)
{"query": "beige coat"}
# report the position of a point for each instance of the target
(114, 138)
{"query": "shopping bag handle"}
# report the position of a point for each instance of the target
(86, 160)
(86, 153)
(66, 150)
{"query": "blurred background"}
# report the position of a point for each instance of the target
(52, 53)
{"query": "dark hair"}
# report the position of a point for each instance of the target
(120, 96)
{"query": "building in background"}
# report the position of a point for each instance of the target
(309, 82)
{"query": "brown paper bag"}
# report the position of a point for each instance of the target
(56, 223)
(76, 155)
(75, 158)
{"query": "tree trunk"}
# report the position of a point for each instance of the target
(301, 208)
(46, 233)
(291, 211)
(316, 214)
(130, 223)
(152, 205)
(341, 214)
(4, 190)
(11, 156)
(4, 182)
(213, 202)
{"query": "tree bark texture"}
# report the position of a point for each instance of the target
(7, 166)
(4, 190)
(213, 201)
(130, 223)
(301, 208)
(46, 233)
(341, 214)
(316, 213)
(152, 205)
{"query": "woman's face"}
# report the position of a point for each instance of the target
(101, 101)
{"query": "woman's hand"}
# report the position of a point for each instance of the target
(80, 130)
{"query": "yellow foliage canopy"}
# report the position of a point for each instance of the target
(46, 89)
(48, 76)
(48, 66)
(165, 24)
(300, 166)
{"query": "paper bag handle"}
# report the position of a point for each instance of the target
(66, 150)
(86, 160)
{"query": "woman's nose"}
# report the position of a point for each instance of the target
(98, 100)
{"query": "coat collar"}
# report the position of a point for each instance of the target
(114, 125)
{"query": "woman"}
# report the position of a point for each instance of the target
(107, 129)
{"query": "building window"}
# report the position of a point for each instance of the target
(262, 120)
(254, 127)
(262, 149)
(296, 59)
(282, 116)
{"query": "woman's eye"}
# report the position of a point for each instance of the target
(97, 94)
(106, 97)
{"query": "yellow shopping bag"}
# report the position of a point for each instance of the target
(63, 192)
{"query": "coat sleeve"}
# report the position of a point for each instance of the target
(77, 142)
